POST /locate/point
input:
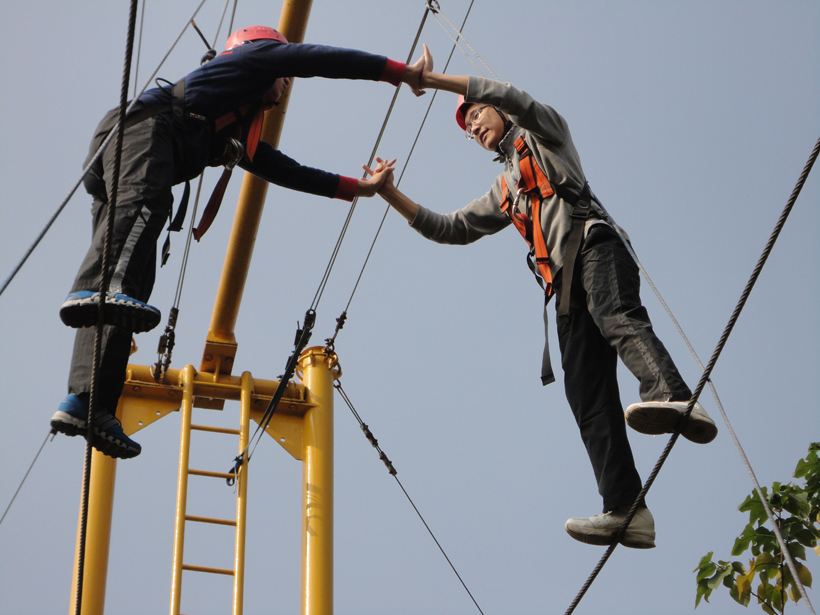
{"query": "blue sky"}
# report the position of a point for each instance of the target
(693, 121)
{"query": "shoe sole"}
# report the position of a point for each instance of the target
(83, 313)
(601, 540)
(633, 540)
(66, 424)
(639, 540)
(660, 420)
(111, 446)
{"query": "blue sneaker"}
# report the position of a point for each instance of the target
(108, 437)
(80, 310)
(70, 418)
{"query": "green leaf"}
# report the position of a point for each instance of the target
(806, 537)
(796, 549)
(706, 571)
(704, 560)
(804, 574)
(742, 541)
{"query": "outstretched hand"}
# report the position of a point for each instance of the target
(417, 72)
(377, 178)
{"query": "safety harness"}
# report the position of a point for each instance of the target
(535, 184)
(234, 152)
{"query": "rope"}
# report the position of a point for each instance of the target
(139, 47)
(735, 439)
(458, 40)
(340, 321)
(303, 333)
(704, 378)
(335, 253)
(221, 21)
(394, 473)
(105, 278)
(233, 15)
(25, 476)
(93, 160)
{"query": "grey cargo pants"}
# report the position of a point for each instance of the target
(606, 321)
(144, 200)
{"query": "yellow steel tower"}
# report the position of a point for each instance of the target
(303, 423)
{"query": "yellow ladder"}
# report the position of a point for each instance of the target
(185, 471)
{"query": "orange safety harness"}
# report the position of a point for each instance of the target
(535, 184)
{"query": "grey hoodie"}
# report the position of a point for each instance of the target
(549, 140)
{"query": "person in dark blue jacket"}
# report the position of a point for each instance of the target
(211, 117)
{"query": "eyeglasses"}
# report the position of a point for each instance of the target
(471, 119)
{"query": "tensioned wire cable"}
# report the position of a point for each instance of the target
(741, 451)
(702, 382)
(139, 47)
(335, 253)
(343, 317)
(25, 477)
(105, 278)
(253, 441)
(94, 158)
(394, 473)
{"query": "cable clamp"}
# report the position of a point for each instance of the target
(433, 6)
(234, 471)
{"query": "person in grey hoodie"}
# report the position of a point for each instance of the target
(578, 254)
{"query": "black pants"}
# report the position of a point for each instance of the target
(606, 321)
(143, 203)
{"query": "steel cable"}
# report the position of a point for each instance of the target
(724, 415)
(25, 477)
(343, 317)
(394, 473)
(704, 378)
(304, 333)
(93, 160)
(335, 252)
(105, 278)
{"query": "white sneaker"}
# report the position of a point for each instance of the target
(656, 417)
(602, 529)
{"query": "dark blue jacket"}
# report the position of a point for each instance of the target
(239, 78)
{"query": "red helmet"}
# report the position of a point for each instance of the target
(253, 33)
(461, 110)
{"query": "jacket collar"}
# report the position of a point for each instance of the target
(506, 147)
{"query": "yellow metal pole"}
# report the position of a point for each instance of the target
(220, 346)
(245, 402)
(319, 369)
(98, 535)
(186, 409)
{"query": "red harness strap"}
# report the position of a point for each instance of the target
(251, 143)
(535, 184)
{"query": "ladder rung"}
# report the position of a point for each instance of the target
(233, 432)
(208, 569)
(211, 474)
(214, 520)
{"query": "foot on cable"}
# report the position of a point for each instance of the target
(657, 417)
(80, 310)
(108, 437)
(71, 415)
(603, 529)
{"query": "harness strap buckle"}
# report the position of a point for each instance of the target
(518, 194)
(234, 152)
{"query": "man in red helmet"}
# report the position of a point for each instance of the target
(210, 117)
(577, 254)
